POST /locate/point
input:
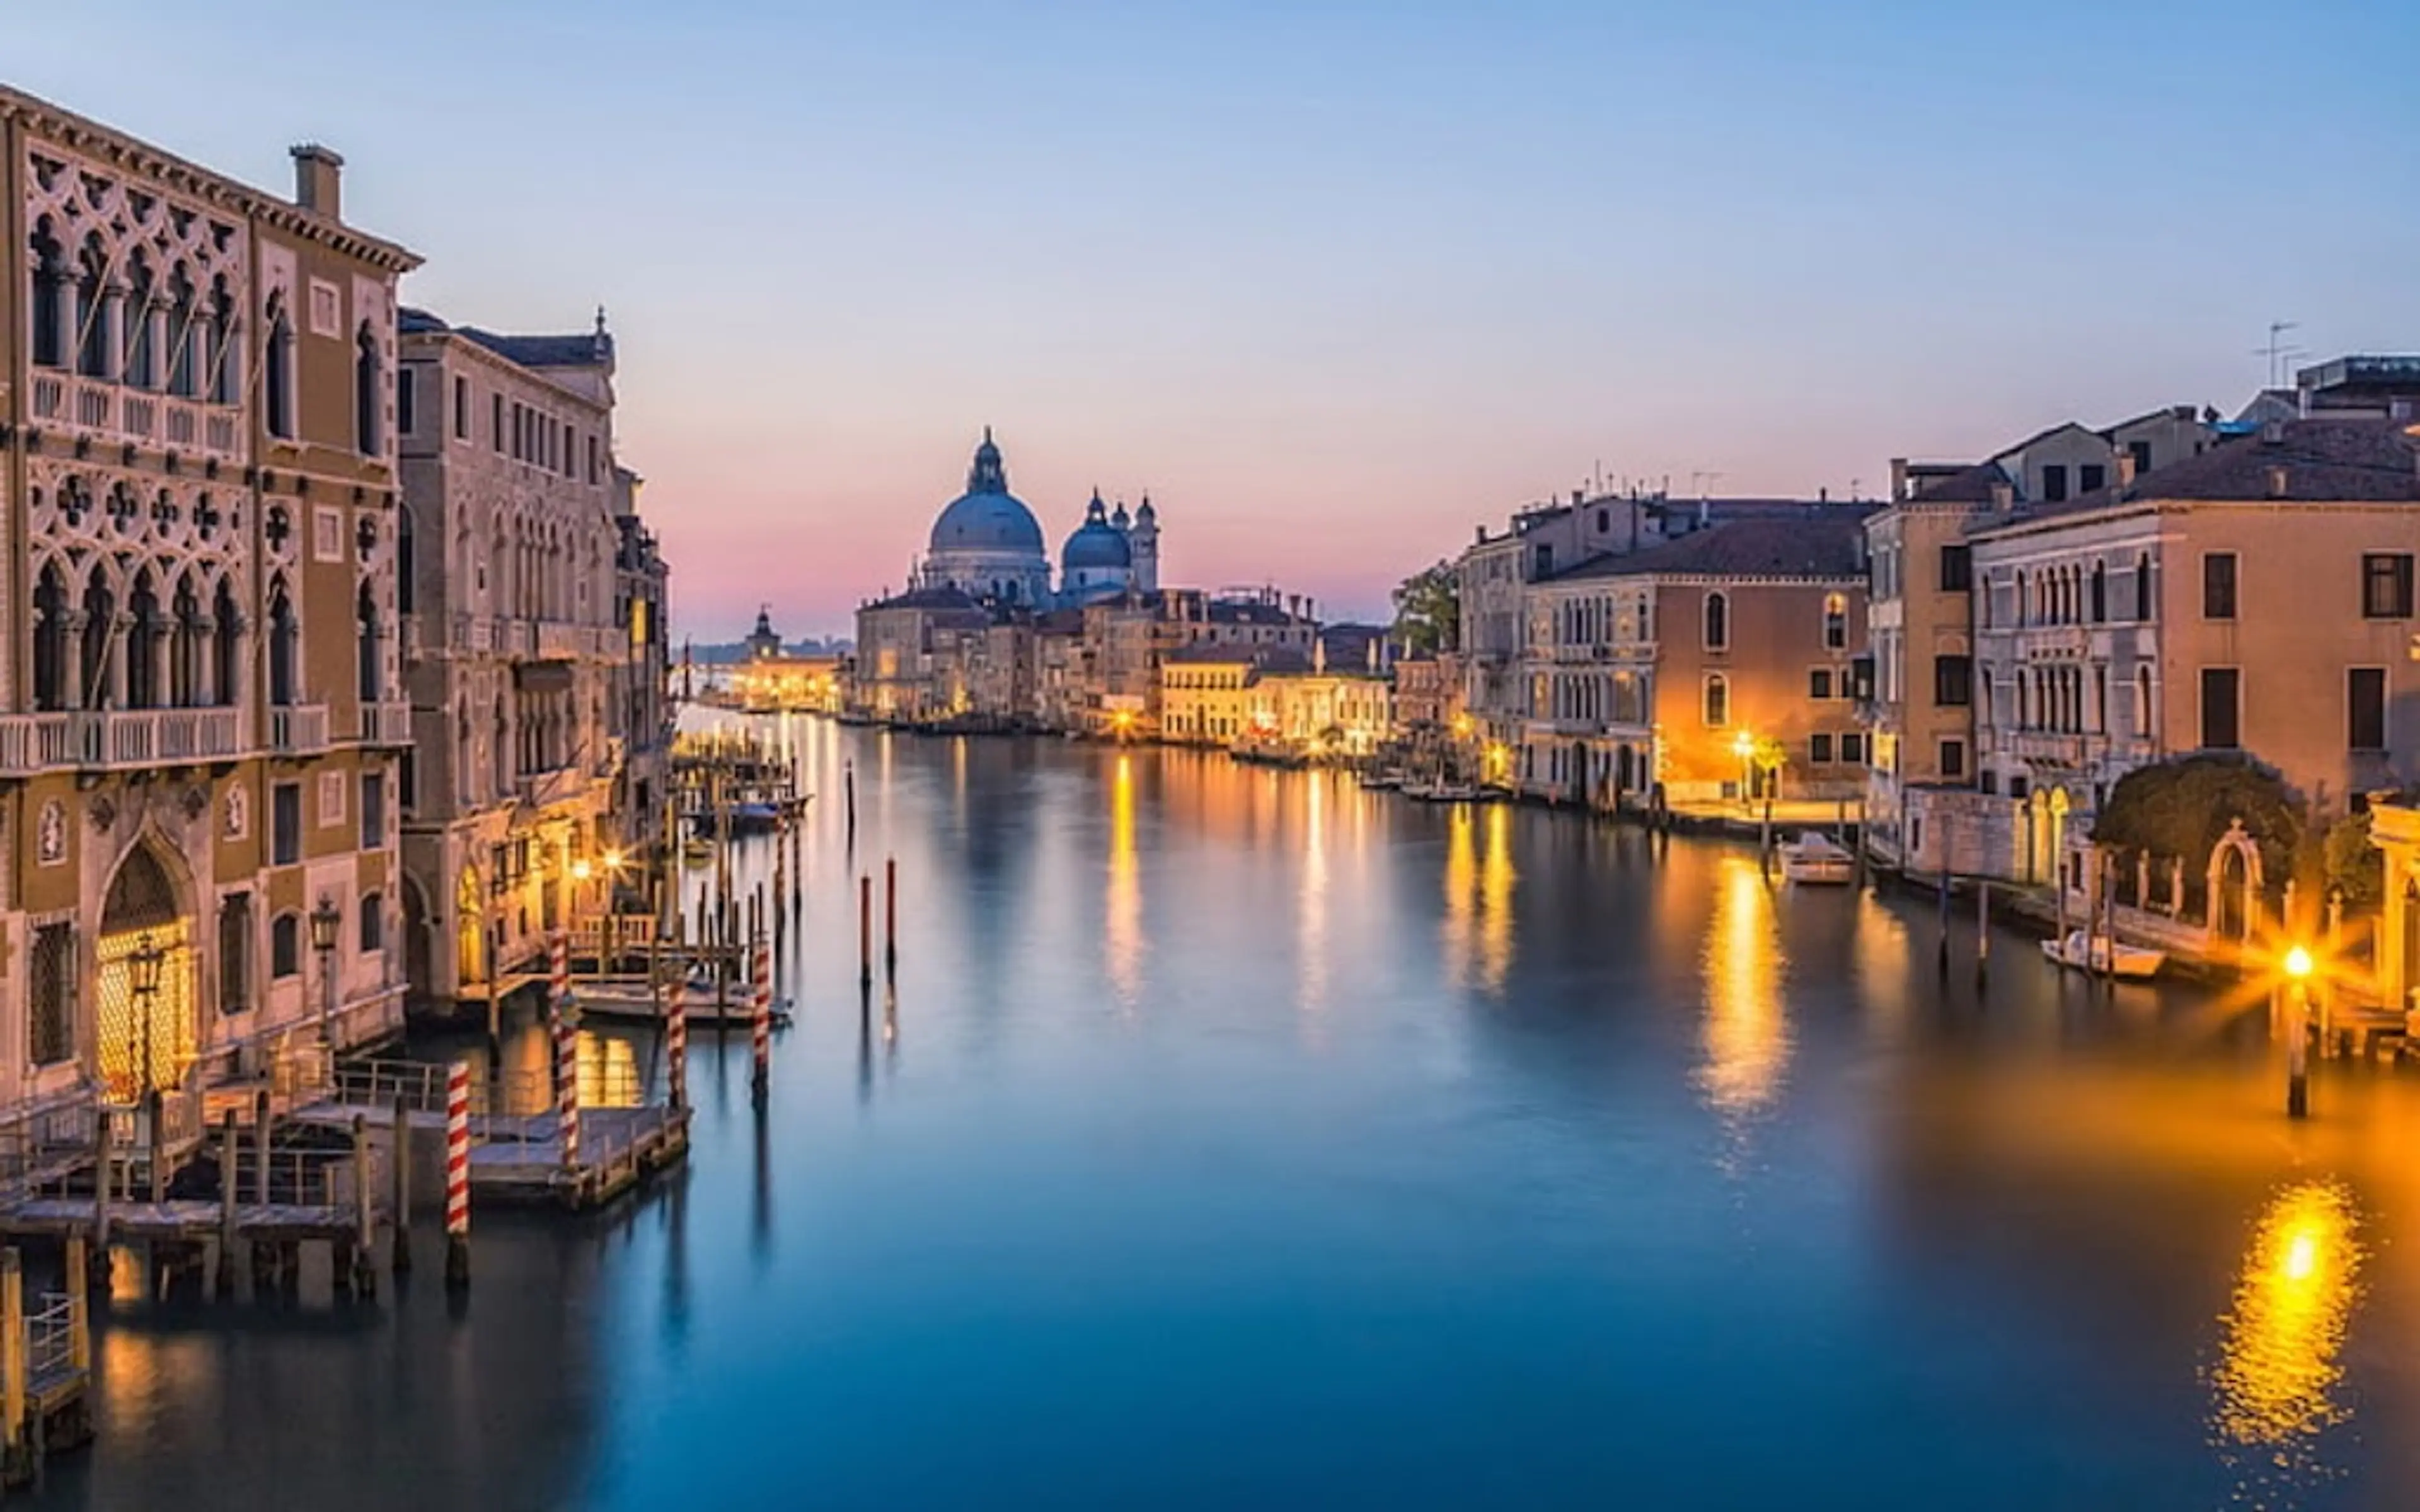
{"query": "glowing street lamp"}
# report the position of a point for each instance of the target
(2297, 1070)
(324, 921)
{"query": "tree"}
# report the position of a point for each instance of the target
(2355, 868)
(1428, 610)
(1770, 756)
(2182, 806)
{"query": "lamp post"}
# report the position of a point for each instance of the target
(143, 976)
(1744, 746)
(324, 920)
(2297, 1070)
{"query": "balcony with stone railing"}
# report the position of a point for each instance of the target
(85, 740)
(386, 724)
(298, 729)
(106, 412)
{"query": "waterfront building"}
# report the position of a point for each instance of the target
(1323, 709)
(1207, 694)
(642, 682)
(2258, 597)
(907, 667)
(1922, 783)
(200, 714)
(521, 646)
(1678, 666)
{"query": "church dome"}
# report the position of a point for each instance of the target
(988, 517)
(1097, 545)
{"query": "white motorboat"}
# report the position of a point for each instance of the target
(1816, 860)
(2129, 963)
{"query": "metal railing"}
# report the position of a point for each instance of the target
(377, 1084)
(50, 1336)
(297, 1176)
(39, 1144)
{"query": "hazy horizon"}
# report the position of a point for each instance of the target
(1331, 282)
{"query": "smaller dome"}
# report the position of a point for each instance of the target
(1096, 544)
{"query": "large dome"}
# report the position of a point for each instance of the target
(988, 517)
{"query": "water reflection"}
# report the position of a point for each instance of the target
(1747, 1033)
(1122, 940)
(1311, 912)
(2279, 1365)
(1479, 876)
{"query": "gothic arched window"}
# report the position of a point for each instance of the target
(100, 616)
(143, 640)
(282, 646)
(365, 649)
(1718, 622)
(277, 371)
(369, 382)
(226, 645)
(50, 640)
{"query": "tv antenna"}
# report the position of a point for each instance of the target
(2279, 351)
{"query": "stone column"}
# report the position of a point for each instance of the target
(71, 673)
(113, 330)
(155, 336)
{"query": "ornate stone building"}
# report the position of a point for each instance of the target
(520, 638)
(200, 713)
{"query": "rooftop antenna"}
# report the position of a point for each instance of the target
(2279, 351)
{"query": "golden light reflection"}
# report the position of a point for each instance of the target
(1748, 1037)
(1122, 938)
(1310, 950)
(1496, 879)
(2278, 1365)
(1458, 928)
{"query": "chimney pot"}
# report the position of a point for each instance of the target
(2125, 469)
(319, 179)
(2004, 496)
(2277, 480)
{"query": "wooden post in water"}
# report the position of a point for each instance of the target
(1982, 934)
(364, 1215)
(1943, 960)
(676, 1016)
(229, 1142)
(402, 1262)
(260, 1128)
(848, 787)
(12, 1359)
(864, 931)
(567, 1066)
(457, 1175)
(102, 1181)
(891, 915)
(155, 1144)
(761, 1026)
(79, 1306)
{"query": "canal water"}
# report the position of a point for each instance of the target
(1234, 1137)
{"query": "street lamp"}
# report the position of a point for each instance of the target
(1744, 746)
(324, 921)
(142, 974)
(2297, 1070)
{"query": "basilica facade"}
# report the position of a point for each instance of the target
(988, 546)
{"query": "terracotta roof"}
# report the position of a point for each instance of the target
(2299, 461)
(1820, 541)
(1970, 485)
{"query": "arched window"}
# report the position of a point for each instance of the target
(46, 267)
(283, 661)
(100, 614)
(185, 646)
(373, 923)
(2025, 700)
(277, 371)
(1835, 622)
(286, 945)
(2143, 615)
(369, 384)
(50, 640)
(234, 952)
(2142, 703)
(226, 647)
(142, 356)
(1718, 622)
(366, 646)
(216, 341)
(2099, 594)
(142, 645)
(1718, 700)
(181, 366)
(91, 322)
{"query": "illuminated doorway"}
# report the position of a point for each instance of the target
(144, 1038)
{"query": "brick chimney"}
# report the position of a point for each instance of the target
(1899, 480)
(2004, 496)
(318, 177)
(2125, 469)
(2277, 482)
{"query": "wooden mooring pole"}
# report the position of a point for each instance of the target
(891, 915)
(457, 1175)
(864, 931)
(848, 788)
(760, 1026)
(402, 1258)
(13, 1364)
(229, 1143)
(365, 1213)
(1982, 934)
(1943, 960)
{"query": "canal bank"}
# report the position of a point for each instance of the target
(1233, 1136)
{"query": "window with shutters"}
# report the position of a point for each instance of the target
(51, 1000)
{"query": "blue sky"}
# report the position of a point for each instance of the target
(1334, 282)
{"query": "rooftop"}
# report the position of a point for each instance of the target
(2294, 461)
(1815, 542)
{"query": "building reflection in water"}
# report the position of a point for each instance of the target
(1747, 1031)
(2275, 1386)
(1122, 939)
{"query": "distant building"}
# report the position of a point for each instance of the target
(764, 640)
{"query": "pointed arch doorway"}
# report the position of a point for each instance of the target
(144, 1023)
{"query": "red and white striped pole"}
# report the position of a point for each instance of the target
(457, 1175)
(566, 1055)
(675, 1008)
(761, 1021)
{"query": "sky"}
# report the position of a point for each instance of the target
(1334, 280)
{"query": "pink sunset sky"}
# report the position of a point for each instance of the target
(1334, 282)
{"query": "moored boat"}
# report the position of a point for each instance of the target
(2128, 963)
(1813, 858)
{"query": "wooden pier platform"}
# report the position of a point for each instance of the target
(519, 1157)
